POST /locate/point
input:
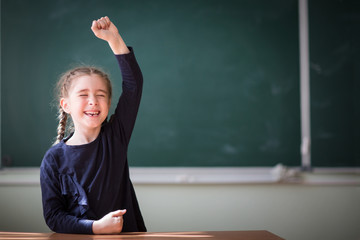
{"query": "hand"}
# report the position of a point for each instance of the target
(104, 29)
(111, 223)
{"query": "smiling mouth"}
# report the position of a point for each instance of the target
(92, 113)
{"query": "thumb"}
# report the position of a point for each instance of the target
(119, 213)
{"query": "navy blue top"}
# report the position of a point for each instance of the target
(82, 183)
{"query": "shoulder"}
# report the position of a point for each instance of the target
(52, 156)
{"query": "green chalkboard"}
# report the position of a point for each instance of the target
(335, 82)
(221, 77)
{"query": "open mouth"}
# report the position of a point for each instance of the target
(91, 114)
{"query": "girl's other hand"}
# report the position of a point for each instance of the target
(111, 223)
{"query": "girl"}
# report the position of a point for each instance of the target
(84, 178)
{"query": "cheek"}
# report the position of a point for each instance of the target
(79, 104)
(106, 104)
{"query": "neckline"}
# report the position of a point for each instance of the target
(80, 145)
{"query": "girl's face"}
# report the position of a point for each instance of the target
(88, 102)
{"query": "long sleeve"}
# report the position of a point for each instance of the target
(56, 215)
(128, 105)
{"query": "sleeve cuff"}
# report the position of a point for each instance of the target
(128, 57)
(126, 54)
(86, 226)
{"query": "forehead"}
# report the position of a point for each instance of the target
(91, 82)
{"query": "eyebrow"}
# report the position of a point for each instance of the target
(86, 90)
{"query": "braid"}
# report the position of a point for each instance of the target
(62, 125)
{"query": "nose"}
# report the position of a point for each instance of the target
(92, 100)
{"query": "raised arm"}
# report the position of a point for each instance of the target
(127, 107)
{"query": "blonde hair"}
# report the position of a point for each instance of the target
(62, 88)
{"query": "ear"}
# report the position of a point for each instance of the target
(65, 105)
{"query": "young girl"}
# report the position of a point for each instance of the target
(84, 177)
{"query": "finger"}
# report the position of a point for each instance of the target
(103, 23)
(94, 26)
(117, 219)
(98, 25)
(98, 22)
(107, 19)
(122, 212)
(118, 213)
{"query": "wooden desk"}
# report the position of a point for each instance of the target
(212, 235)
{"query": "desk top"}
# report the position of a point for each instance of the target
(209, 235)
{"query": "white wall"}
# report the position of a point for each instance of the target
(292, 211)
